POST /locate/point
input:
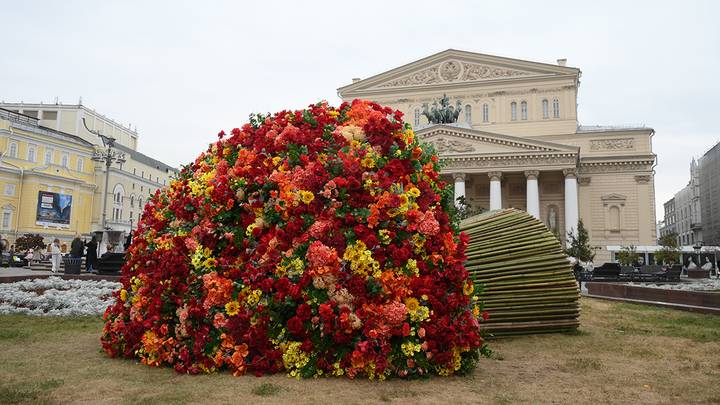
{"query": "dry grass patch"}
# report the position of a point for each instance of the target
(622, 354)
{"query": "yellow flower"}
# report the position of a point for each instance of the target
(276, 160)
(412, 266)
(368, 161)
(249, 229)
(333, 113)
(123, 295)
(384, 236)
(306, 196)
(232, 308)
(413, 192)
(468, 288)
(412, 304)
(253, 297)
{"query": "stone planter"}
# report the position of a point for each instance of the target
(698, 273)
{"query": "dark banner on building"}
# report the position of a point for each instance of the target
(53, 209)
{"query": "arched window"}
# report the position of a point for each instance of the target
(48, 156)
(614, 218)
(64, 160)
(140, 203)
(523, 110)
(416, 121)
(132, 200)
(486, 113)
(80, 164)
(468, 114)
(31, 154)
(118, 195)
(513, 111)
(13, 149)
(546, 109)
(556, 108)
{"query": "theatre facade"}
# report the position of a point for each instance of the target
(516, 142)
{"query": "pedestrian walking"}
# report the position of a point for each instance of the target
(55, 255)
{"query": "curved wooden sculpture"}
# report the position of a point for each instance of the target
(528, 283)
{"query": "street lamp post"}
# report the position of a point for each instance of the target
(697, 247)
(107, 156)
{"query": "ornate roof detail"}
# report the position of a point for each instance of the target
(454, 71)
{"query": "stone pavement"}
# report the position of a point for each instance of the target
(12, 274)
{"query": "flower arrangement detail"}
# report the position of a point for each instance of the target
(314, 242)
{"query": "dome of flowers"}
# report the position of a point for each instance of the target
(312, 242)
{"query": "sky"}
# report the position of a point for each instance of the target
(182, 71)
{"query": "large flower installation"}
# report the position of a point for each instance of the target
(312, 242)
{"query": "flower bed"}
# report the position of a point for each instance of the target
(687, 284)
(54, 296)
(313, 242)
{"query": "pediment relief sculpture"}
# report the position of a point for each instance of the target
(454, 71)
(444, 145)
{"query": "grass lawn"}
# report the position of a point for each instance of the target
(622, 354)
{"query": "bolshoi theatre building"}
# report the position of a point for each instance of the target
(516, 142)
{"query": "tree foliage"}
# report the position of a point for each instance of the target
(628, 255)
(29, 241)
(670, 251)
(580, 247)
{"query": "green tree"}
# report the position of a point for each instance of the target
(669, 253)
(580, 247)
(628, 255)
(29, 241)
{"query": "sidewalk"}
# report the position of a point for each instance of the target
(12, 274)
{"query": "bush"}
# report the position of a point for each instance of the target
(29, 241)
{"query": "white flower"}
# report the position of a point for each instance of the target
(54, 296)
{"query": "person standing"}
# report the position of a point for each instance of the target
(55, 255)
(76, 248)
(91, 257)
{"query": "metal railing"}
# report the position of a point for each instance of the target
(17, 117)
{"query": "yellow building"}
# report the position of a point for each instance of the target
(131, 183)
(517, 143)
(47, 180)
(46, 148)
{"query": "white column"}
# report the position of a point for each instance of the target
(459, 187)
(571, 202)
(533, 196)
(495, 190)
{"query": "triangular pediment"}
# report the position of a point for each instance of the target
(449, 140)
(613, 197)
(452, 67)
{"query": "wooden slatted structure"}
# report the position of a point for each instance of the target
(528, 283)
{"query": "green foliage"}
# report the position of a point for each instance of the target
(580, 247)
(465, 210)
(628, 255)
(669, 253)
(29, 241)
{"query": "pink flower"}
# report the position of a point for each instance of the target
(428, 225)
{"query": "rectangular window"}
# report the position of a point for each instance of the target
(9, 190)
(64, 161)
(31, 113)
(49, 115)
(80, 164)
(48, 156)
(7, 219)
